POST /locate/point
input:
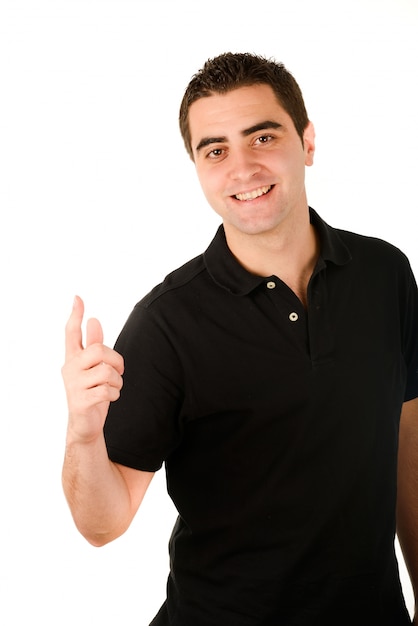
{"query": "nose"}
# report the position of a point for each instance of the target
(242, 165)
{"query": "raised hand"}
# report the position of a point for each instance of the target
(92, 376)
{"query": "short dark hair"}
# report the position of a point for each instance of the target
(230, 71)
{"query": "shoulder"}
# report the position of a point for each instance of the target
(374, 253)
(178, 280)
(162, 311)
(357, 252)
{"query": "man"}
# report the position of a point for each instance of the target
(270, 375)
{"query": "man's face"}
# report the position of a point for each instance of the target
(249, 158)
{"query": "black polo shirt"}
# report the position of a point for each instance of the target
(278, 427)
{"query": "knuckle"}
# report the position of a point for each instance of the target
(96, 352)
(100, 394)
(115, 394)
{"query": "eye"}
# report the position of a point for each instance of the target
(263, 139)
(215, 153)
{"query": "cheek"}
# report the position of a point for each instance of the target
(294, 169)
(210, 183)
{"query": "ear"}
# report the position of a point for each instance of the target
(309, 143)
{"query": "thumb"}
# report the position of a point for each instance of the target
(94, 332)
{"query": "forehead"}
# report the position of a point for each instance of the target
(225, 114)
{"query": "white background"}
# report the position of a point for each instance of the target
(98, 197)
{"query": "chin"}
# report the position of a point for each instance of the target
(255, 228)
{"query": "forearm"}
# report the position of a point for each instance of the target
(407, 530)
(407, 502)
(96, 492)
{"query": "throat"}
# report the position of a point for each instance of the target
(292, 261)
(300, 289)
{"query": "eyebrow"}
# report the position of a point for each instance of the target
(261, 126)
(207, 141)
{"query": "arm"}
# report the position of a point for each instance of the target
(407, 505)
(103, 496)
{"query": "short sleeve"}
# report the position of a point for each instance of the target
(142, 427)
(410, 335)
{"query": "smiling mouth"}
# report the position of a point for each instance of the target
(252, 195)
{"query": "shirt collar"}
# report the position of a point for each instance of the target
(229, 274)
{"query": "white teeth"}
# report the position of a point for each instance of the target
(251, 195)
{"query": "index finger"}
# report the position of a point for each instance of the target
(73, 333)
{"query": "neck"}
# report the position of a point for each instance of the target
(288, 253)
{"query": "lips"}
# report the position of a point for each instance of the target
(252, 195)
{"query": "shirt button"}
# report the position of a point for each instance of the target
(271, 284)
(293, 317)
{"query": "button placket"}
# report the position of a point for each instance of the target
(293, 316)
